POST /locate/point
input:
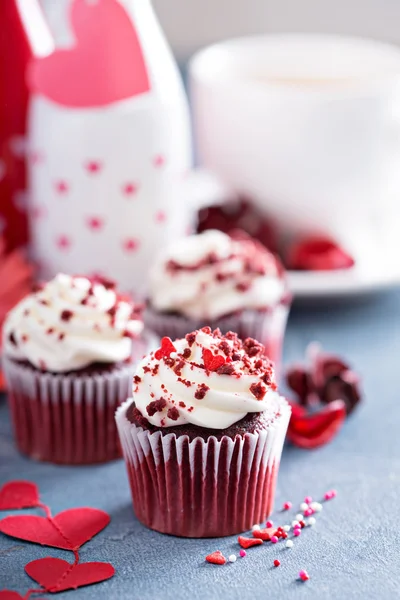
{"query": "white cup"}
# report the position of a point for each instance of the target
(309, 127)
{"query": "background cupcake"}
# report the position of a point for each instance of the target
(69, 350)
(203, 435)
(230, 282)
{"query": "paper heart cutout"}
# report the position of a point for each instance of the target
(212, 362)
(68, 530)
(105, 65)
(57, 575)
(19, 494)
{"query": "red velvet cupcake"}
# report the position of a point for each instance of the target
(69, 352)
(203, 435)
(231, 282)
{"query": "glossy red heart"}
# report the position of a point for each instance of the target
(18, 494)
(212, 362)
(166, 348)
(68, 530)
(10, 595)
(216, 558)
(105, 65)
(318, 254)
(57, 575)
(310, 431)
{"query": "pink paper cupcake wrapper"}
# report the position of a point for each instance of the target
(202, 488)
(69, 419)
(266, 326)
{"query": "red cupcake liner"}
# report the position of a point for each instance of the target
(68, 419)
(267, 326)
(202, 488)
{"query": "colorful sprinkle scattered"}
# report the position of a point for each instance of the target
(308, 512)
(297, 532)
(303, 506)
(316, 506)
(248, 542)
(304, 576)
(302, 524)
(286, 528)
(330, 494)
(243, 553)
(311, 521)
(216, 558)
(288, 505)
(308, 499)
(269, 524)
(256, 528)
(299, 517)
(295, 523)
(277, 563)
(289, 544)
(232, 558)
(274, 539)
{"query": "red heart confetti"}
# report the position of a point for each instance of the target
(315, 430)
(166, 348)
(68, 530)
(19, 494)
(216, 558)
(57, 575)
(249, 542)
(318, 254)
(265, 534)
(212, 362)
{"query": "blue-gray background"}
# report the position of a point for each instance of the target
(352, 552)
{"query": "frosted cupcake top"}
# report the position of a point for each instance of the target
(70, 323)
(205, 379)
(211, 274)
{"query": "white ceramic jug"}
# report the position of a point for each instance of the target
(109, 142)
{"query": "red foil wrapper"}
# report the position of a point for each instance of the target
(202, 488)
(69, 418)
(267, 326)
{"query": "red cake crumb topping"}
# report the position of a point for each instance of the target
(66, 315)
(173, 413)
(190, 338)
(201, 391)
(187, 353)
(258, 390)
(137, 379)
(156, 406)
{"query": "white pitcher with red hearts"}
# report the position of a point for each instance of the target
(109, 142)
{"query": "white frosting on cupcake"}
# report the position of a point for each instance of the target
(205, 379)
(211, 274)
(70, 323)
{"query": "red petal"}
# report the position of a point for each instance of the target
(212, 362)
(265, 534)
(315, 430)
(298, 412)
(216, 558)
(249, 542)
(56, 575)
(78, 525)
(19, 494)
(318, 254)
(166, 348)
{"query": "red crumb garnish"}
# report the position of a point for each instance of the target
(225, 348)
(137, 379)
(216, 558)
(252, 347)
(24, 338)
(226, 369)
(258, 390)
(61, 336)
(186, 353)
(139, 418)
(156, 406)
(249, 542)
(201, 391)
(166, 348)
(50, 330)
(243, 286)
(235, 356)
(173, 413)
(66, 315)
(190, 338)
(182, 404)
(179, 367)
(212, 362)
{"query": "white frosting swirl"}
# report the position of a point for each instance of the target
(70, 324)
(177, 389)
(209, 275)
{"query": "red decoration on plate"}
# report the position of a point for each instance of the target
(311, 431)
(68, 530)
(19, 494)
(166, 348)
(265, 534)
(57, 575)
(212, 362)
(317, 254)
(216, 558)
(104, 66)
(249, 542)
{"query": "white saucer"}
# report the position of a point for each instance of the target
(360, 279)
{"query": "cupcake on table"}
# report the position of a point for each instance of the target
(69, 352)
(202, 436)
(228, 281)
